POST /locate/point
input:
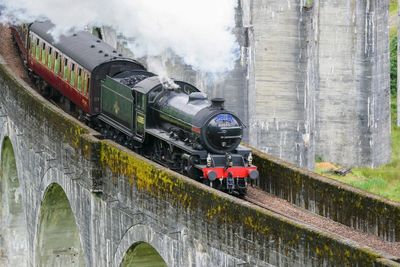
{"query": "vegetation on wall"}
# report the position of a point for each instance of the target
(308, 3)
(393, 65)
(393, 5)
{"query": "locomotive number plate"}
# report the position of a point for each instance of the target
(225, 120)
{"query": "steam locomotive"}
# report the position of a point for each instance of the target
(174, 124)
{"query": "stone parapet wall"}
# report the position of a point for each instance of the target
(329, 198)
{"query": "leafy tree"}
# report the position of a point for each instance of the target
(393, 65)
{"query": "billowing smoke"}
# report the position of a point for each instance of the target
(198, 31)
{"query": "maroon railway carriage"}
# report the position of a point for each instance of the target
(176, 126)
(73, 65)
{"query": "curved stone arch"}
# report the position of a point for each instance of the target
(138, 234)
(8, 133)
(14, 239)
(55, 221)
(4, 129)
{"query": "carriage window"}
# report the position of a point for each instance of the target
(37, 49)
(79, 79)
(57, 63)
(86, 84)
(66, 71)
(50, 58)
(72, 81)
(44, 56)
(33, 46)
(85, 75)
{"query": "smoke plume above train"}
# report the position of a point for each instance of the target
(200, 32)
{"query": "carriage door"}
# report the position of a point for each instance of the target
(140, 114)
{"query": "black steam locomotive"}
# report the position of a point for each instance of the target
(172, 123)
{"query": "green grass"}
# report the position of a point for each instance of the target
(383, 181)
(393, 7)
(392, 32)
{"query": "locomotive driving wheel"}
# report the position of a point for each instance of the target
(161, 153)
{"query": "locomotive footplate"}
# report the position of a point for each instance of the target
(177, 143)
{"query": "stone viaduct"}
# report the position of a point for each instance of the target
(314, 75)
(68, 198)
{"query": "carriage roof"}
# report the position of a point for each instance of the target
(82, 47)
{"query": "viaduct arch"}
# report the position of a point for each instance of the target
(13, 224)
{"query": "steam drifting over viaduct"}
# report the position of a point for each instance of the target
(312, 80)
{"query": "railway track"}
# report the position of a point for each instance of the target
(389, 250)
(255, 196)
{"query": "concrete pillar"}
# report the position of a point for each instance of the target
(282, 68)
(398, 65)
(352, 103)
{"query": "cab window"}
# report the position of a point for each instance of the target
(154, 93)
(141, 101)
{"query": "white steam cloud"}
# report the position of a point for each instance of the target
(199, 31)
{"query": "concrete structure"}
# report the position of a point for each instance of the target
(398, 66)
(70, 199)
(282, 68)
(312, 80)
(353, 99)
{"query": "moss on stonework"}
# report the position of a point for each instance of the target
(139, 172)
(45, 115)
(327, 197)
(142, 255)
(217, 208)
(253, 227)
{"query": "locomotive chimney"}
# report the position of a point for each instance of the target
(217, 103)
